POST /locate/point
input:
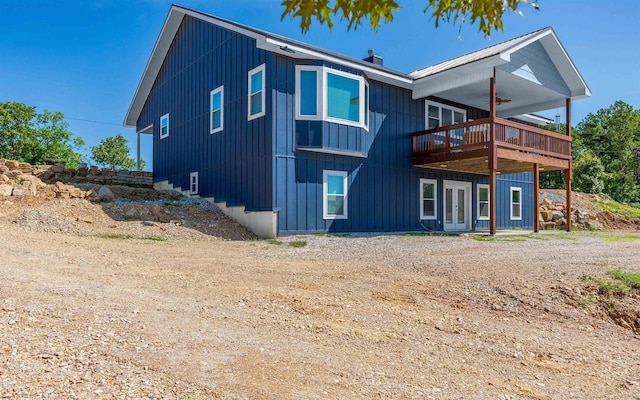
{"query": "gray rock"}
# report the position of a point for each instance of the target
(105, 194)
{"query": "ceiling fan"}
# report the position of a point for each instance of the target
(500, 100)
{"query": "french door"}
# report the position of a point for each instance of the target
(457, 206)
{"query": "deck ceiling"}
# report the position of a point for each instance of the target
(480, 165)
(526, 96)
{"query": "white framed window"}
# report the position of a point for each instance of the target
(193, 183)
(308, 92)
(217, 109)
(516, 203)
(331, 95)
(334, 194)
(439, 115)
(483, 202)
(256, 97)
(164, 126)
(428, 201)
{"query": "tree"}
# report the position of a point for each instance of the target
(30, 137)
(113, 152)
(487, 13)
(612, 135)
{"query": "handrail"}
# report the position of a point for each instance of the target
(489, 133)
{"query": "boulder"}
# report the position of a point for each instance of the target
(18, 191)
(159, 214)
(57, 169)
(105, 194)
(547, 203)
(4, 169)
(4, 179)
(556, 215)
(11, 164)
(83, 172)
(5, 190)
(546, 215)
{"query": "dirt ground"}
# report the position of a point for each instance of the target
(154, 305)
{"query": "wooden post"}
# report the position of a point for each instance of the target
(493, 161)
(138, 152)
(568, 172)
(492, 201)
(536, 199)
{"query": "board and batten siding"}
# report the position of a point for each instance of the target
(234, 165)
(383, 188)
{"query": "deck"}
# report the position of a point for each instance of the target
(468, 147)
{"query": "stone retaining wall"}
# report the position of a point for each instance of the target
(58, 173)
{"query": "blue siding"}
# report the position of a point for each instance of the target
(258, 164)
(384, 188)
(234, 165)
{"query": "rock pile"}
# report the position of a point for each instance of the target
(553, 215)
(21, 179)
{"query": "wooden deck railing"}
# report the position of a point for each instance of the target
(476, 135)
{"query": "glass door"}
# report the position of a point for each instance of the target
(457, 206)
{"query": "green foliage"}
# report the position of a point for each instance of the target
(589, 175)
(610, 138)
(631, 279)
(607, 287)
(619, 208)
(274, 241)
(30, 137)
(113, 152)
(298, 243)
(487, 13)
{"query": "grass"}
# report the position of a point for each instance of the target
(631, 279)
(122, 236)
(115, 236)
(298, 243)
(620, 208)
(618, 238)
(620, 284)
(274, 241)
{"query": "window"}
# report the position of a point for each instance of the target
(193, 183)
(307, 88)
(256, 93)
(442, 115)
(217, 110)
(164, 126)
(428, 190)
(331, 95)
(483, 202)
(516, 203)
(334, 190)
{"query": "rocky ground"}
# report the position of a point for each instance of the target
(156, 296)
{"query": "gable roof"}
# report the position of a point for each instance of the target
(264, 40)
(477, 64)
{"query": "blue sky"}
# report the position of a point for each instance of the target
(85, 59)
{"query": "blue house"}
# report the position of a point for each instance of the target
(289, 138)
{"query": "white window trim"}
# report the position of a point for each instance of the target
(511, 203)
(319, 103)
(322, 99)
(211, 110)
(191, 184)
(166, 116)
(440, 106)
(325, 190)
(259, 68)
(484, 186)
(435, 199)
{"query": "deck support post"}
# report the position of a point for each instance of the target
(536, 199)
(138, 151)
(492, 201)
(568, 172)
(493, 161)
